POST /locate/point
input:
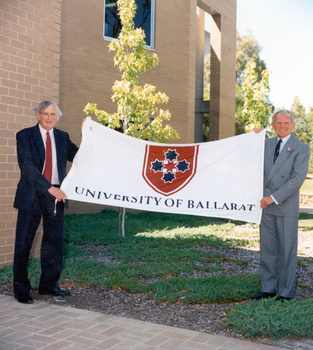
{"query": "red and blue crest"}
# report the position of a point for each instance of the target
(169, 169)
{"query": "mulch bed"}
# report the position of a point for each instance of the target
(202, 318)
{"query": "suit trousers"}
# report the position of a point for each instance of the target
(51, 252)
(278, 246)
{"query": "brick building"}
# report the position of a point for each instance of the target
(54, 49)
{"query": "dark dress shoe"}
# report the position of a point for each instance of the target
(264, 295)
(57, 292)
(282, 299)
(24, 298)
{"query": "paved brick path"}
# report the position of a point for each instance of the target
(52, 327)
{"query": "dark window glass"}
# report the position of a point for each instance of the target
(112, 23)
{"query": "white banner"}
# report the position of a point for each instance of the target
(222, 178)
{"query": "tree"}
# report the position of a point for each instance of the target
(206, 95)
(137, 106)
(303, 129)
(309, 118)
(256, 109)
(248, 50)
(207, 78)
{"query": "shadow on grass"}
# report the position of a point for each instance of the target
(103, 228)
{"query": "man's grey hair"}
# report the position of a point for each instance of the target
(44, 104)
(285, 113)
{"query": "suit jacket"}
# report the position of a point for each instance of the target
(284, 178)
(31, 160)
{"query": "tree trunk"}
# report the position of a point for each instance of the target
(121, 222)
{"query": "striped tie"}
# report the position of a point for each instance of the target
(276, 154)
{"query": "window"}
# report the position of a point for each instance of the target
(144, 19)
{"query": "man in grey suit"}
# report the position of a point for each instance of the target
(286, 162)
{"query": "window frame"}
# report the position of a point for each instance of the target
(152, 25)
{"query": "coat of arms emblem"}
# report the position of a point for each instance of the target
(169, 169)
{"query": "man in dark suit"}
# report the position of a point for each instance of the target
(42, 159)
(286, 162)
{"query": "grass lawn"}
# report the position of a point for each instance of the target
(307, 186)
(306, 221)
(158, 254)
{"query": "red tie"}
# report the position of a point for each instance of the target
(48, 167)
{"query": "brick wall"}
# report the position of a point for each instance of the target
(29, 73)
(54, 49)
(87, 72)
(223, 67)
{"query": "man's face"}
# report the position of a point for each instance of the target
(283, 126)
(48, 117)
